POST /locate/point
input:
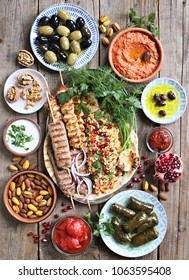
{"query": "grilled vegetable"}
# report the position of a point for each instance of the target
(136, 204)
(121, 236)
(122, 211)
(139, 219)
(145, 237)
(152, 220)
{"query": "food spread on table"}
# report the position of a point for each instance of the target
(91, 143)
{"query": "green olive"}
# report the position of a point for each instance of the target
(75, 47)
(75, 35)
(46, 30)
(64, 15)
(50, 57)
(63, 31)
(72, 58)
(64, 43)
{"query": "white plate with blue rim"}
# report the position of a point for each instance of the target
(75, 12)
(174, 108)
(128, 250)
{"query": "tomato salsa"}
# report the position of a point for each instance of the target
(160, 140)
(72, 235)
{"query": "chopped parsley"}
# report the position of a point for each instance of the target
(18, 136)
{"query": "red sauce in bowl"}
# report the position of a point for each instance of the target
(160, 140)
(72, 235)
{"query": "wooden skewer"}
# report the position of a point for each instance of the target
(89, 205)
(61, 78)
(72, 201)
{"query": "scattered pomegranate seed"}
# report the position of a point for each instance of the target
(30, 233)
(109, 126)
(147, 161)
(139, 171)
(63, 203)
(36, 240)
(142, 176)
(111, 149)
(48, 227)
(49, 224)
(147, 170)
(44, 240)
(134, 179)
(47, 235)
(69, 207)
(129, 186)
(106, 154)
(56, 216)
(44, 231)
(138, 180)
(36, 236)
(100, 122)
(45, 224)
(84, 117)
(144, 157)
(64, 210)
(139, 167)
(152, 164)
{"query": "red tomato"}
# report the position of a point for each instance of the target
(75, 228)
(72, 243)
(63, 224)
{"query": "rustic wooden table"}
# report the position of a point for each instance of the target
(16, 19)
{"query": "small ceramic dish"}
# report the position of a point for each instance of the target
(135, 55)
(159, 140)
(71, 235)
(30, 196)
(22, 136)
(173, 109)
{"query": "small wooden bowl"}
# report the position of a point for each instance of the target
(151, 37)
(8, 196)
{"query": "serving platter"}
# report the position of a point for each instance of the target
(75, 12)
(128, 250)
(174, 108)
(19, 106)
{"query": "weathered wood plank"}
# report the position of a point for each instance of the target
(15, 23)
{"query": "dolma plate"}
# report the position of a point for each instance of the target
(128, 250)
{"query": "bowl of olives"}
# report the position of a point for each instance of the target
(64, 34)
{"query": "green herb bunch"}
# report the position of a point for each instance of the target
(147, 22)
(116, 97)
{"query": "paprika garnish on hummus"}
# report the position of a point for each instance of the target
(128, 54)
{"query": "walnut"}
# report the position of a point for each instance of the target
(25, 58)
(13, 94)
(25, 80)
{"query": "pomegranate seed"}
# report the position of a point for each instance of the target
(107, 140)
(111, 149)
(100, 122)
(109, 126)
(84, 117)
(139, 167)
(49, 224)
(69, 207)
(139, 171)
(47, 235)
(106, 154)
(95, 173)
(56, 216)
(36, 236)
(129, 186)
(102, 146)
(44, 240)
(48, 227)
(44, 231)
(30, 233)
(147, 170)
(147, 161)
(95, 131)
(142, 176)
(152, 164)
(64, 210)
(134, 179)
(101, 134)
(144, 157)
(36, 240)
(138, 180)
(45, 224)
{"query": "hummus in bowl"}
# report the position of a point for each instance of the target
(136, 55)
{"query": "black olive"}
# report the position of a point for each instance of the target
(80, 22)
(161, 103)
(162, 113)
(86, 32)
(146, 56)
(44, 47)
(163, 97)
(62, 56)
(55, 21)
(85, 43)
(42, 39)
(71, 25)
(44, 21)
(171, 95)
(156, 97)
(54, 38)
(54, 47)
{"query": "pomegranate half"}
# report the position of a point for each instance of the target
(168, 167)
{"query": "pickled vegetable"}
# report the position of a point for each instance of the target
(122, 211)
(121, 236)
(144, 237)
(139, 219)
(136, 204)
